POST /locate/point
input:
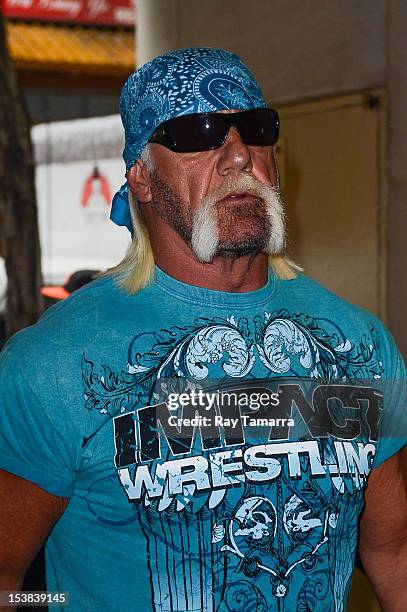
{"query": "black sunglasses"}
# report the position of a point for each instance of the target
(205, 131)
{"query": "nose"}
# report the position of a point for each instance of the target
(234, 155)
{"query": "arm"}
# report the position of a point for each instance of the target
(27, 515)
(383, 532)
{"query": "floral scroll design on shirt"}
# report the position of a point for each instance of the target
(293, 345)
(298, 344)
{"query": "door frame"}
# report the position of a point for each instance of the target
(376, 97)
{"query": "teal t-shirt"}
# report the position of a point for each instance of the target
(165, 523)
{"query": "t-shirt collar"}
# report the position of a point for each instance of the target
(212, 297)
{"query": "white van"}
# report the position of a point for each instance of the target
(79, 167)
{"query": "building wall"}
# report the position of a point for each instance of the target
(397, 170)
(53, 105)
(303, 50)
(296, 49)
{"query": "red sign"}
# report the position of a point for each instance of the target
(97, 12)
(96, 187)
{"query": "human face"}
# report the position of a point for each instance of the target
(221, 201)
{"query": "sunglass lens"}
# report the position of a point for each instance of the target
(197, 133)
(259, 127)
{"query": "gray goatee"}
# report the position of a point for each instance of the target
(205, 232)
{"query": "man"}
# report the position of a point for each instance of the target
(144, 514)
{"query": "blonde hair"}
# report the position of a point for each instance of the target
(137, 268)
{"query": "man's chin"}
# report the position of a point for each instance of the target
(233, 251)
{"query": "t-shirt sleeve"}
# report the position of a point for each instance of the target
(32, 443)
(393, 421)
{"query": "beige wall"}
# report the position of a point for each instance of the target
(296, 48)
(305, 49)
(397, 171)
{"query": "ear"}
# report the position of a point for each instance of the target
(138, 178)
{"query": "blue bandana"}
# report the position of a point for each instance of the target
(186, 81)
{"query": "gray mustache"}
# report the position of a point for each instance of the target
(246, 183)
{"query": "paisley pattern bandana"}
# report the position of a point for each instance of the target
(186, 81)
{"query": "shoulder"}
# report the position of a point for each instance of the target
(61, 323)
(66, 325)
(316, 297)
(98, 314)
(338, 317)
(318, 301)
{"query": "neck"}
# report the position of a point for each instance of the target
(173, 255)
